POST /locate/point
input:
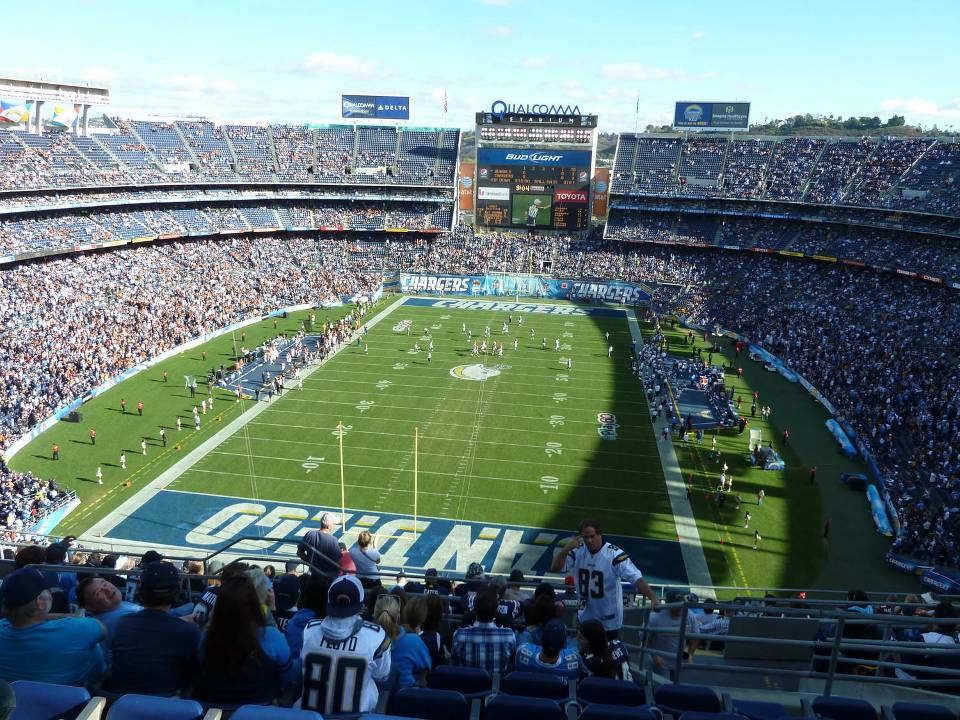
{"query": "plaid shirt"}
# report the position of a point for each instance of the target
(484, 645)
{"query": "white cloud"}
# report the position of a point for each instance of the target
(499, 31)
(639, 71)
(924, 108)
(336, 63)
(535, 62)
(495, 3)
(192, 83)
(698, 35)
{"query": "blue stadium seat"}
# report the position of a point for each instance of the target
(754, 710)
(471, 682)
(599, 711)
(147, 707)
(429, 704)
(678, 698)
(595, 689)
(840, 708)
(535, 685)
(45, 701)
(918, 711)
(267, 712)
(695, 715)
(509, 707)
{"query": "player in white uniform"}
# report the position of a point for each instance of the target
(343, 656)
(598, 569)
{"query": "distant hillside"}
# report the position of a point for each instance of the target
(818, 125)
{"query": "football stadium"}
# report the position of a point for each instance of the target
(553, 399)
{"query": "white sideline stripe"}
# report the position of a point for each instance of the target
(698, 572)
(131, 505)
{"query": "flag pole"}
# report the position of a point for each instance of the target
(343, 492)
(416, 449)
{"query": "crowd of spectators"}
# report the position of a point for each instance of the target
(25, 499)
(38, 233)
(144, 152)
(248, 634)
(931, 255)
(70, 324)
(907, 173)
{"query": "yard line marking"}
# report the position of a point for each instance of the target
(539, 463)
(479, 498)
(594, 450)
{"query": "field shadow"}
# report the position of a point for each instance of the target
(643, 521)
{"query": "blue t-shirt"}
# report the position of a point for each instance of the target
(294, 631)
(567, 664)
(409, 656)
(153, 653)
(65, 651)
(110, 618)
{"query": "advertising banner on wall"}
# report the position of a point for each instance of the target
(375, 107)
(505, 285)
(465, 185)
(601, 192)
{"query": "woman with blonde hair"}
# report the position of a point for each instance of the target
(366, 558)
(386, 613)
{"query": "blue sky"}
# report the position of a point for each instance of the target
(288, 60)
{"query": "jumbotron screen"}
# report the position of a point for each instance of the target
(542, 189)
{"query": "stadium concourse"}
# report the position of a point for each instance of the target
(222, 236)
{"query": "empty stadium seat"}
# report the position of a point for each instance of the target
(695, 715)
(839, 708)
(535, 685)
(509, 707)
(754, 710)
(429, 704)
(918, 711)
(600, 711)
(611, 692)
(147, 707)
(678, 698)
(262, 712)
(43, 701)
(471, 682)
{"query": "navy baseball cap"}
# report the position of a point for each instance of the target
(286, 591)
(475, 570)
(345, 597)
(554, 635)
(159, 576)
(23, 586)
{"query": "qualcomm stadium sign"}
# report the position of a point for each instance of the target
(539, 286)
(500, 108)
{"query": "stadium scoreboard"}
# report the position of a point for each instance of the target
(534, 171)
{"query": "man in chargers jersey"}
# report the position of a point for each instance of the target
(342, 655)
(598, 568)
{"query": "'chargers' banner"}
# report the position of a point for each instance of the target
(379, 107)
(209, 522)
(525, 156)
(614, 291)
(712, 115)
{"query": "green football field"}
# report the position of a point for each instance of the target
(518, 447)
(533, 444)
